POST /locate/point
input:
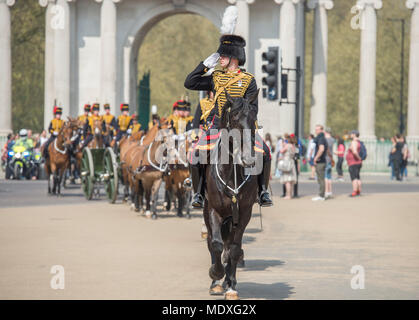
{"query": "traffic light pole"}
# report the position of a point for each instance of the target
(296, 101)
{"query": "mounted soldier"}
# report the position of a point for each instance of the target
(136, 127)
(89, 126)
(124, 122)
(238, 83)
(54, 128)
(110, 123)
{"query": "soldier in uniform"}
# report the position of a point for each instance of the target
(88, 126)
(238, 83)
(110, 122)
(54, 128)
(174, 117)
(124, 122)
(84, 117)
(136, 127)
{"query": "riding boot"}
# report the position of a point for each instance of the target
(197, 183)
(263, 181)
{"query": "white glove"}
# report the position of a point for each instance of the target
(129, 131)
(55, 133)
(212, 60)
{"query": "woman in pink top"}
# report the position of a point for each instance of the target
(355, 163)
(340, 152)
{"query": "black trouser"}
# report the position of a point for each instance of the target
(397, 168)
(46, 145)
(120, 134)
(339, 166)
(87, 140)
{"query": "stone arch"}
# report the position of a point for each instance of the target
(133, 39)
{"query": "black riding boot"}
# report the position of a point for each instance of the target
(263, 181)
(197, 183)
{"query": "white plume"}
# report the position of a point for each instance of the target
(229, 20)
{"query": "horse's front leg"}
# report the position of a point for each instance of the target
(154, 194)
(180, 203)
(60, 176)
(215, 245)
(235, 252)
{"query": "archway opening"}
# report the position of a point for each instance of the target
(170, 50)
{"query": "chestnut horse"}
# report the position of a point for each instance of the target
(126, 146)
(146, 168)
(59, 157)
(177, 181)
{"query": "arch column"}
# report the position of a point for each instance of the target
(287, 35)
(108, 52)
(5, 68)
(57, 57)
(318, 112)
(367, 80)
(242, 27)
(413, 94)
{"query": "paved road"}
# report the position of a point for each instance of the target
(305, 251)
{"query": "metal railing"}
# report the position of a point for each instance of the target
(377, 155)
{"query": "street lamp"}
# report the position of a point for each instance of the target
(401, 127)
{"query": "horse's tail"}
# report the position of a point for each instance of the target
(226, 227)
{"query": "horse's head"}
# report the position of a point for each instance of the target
(240, 115)
(67, 134)
(97, 127)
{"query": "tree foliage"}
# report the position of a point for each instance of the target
(28, 37)
(171, 50)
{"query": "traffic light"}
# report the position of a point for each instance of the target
(271, 69)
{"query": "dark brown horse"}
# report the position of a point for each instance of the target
(59, 157)
(230, 193)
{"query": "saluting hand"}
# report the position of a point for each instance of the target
(212, 60)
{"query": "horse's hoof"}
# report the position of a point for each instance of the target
(216, 290)
(180, 215)
(214, 275)
(231, 295)
(241, 264)
(188, 216)
(137, 209)
(154, 216)
(204, 235)
(132, 207)
(148, 214)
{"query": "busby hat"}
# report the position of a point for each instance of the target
(106, 106)
(87, 107)
(181, 105)
(57, 110)
(96, 107)
(232, 45)
(124, 107)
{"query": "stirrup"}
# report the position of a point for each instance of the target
(198, 200)
(265, 199)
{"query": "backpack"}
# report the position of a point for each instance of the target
(362, 151)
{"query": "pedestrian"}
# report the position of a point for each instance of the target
(43, 138)
(287, 166)
(268, 141)
(390, 158)
(320, 161)
(310, 156)
(340, 152)
(354, 161)
(279, 145)
(329, 163)
(405, 153)
(397, 156)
